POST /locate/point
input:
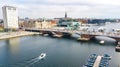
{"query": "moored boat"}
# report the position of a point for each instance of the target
(117, 48)
(56, 36)
(105, 61)
(83, 39)
(90, 61)
(45, 34)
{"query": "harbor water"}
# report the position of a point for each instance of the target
(60, 52)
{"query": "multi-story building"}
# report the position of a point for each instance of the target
(10, 17)
(39, 24)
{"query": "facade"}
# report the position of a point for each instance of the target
(21, 23)
(73, 25)
(46, 24)
(38, 24)
(32, 24)
(10, 17)
(53, 23)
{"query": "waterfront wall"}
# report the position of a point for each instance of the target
(7, 35)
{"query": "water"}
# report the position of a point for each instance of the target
(60, 52)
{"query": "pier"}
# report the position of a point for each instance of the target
(97, 62)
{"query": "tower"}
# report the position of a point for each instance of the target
(10, 17)
(65, 14)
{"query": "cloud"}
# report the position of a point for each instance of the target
(103, 2)
(75, 8)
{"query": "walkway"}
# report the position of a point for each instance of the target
(112, 34)
(97, 62)
(15, 34)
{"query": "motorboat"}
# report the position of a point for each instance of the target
(83, 39)
(42, 56)
(45, 35)
(57, 36)
(117, 48)
(102, 42)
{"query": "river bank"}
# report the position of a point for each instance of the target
(6, 35)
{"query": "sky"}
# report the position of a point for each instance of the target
(57, 8)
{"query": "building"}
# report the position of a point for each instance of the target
(21, 22)
(46, 24)
(71, 25)
(10, 17)
(54, 23)
(32, 24)
(41, 24)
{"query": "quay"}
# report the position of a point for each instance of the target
(7, 35)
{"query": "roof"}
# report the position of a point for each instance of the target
(9, 6)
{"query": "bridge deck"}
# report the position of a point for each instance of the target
(112, 34)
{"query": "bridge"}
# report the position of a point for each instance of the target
(91, 35)
(63, 32)
(68, 33)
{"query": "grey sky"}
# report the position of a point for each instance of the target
(57, 8)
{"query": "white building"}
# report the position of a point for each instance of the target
(10, 17)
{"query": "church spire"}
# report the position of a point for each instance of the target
(65, 14)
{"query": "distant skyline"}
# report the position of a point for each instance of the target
(57, 8)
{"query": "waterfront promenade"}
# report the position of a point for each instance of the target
(6, 35)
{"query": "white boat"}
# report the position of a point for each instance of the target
(102, 42)
(42, 56)
(45, 34)
(57, 36)
(117, 48)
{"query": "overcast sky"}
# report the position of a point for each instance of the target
(57, 8)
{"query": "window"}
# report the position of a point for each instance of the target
(11, 8)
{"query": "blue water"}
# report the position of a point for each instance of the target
(60, 52)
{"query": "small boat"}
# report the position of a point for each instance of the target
(83, 39)
(57, 36)
(118, 43)
(45, 35)
(117, 48)
(102, 42)
(91, 60)
(105, 61)
(42, 56)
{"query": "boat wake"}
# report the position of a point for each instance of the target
(32, 61)
(35, 60)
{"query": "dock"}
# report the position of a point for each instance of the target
(97, 62)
